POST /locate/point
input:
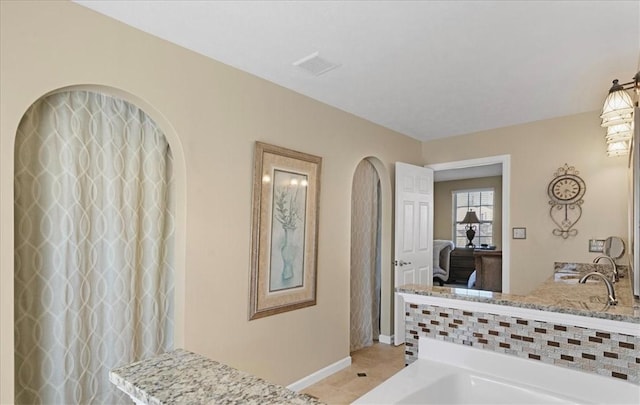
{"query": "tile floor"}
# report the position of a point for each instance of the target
(379, 362)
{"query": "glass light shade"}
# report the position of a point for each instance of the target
(470, 218)
(617, 149)
(620, 132)
(617, 109)
(617, 120)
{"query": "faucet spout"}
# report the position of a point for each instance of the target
(610, 291)
(616, 277)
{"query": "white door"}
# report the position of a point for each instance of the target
(413, 234)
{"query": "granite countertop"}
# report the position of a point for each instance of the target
(184, 377)
(560, 293)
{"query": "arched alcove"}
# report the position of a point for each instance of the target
(180, 178)
(386, 271)
(178, 193)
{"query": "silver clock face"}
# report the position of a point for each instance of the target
(567, 189)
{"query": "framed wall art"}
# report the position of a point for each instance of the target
(284, 231)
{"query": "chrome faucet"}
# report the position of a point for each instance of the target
(607, 282)
(615, 278)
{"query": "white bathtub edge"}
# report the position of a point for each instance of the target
(438, 359)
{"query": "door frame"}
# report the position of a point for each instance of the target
(505, 161)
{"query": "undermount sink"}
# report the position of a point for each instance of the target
(594, 303)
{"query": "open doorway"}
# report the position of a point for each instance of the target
(366, 266)
(491, 166)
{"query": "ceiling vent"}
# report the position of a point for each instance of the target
(315, 64)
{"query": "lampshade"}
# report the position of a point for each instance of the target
(618, 106)
(617, 116)
(470, 218)
(620, 132)
(617, 148)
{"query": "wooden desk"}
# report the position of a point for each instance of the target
(461, 265)
(488, 265)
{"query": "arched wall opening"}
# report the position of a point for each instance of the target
(179, 176)
(386, 247)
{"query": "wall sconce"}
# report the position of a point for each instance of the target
(617, 116)
(470, 219)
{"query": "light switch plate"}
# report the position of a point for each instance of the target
(596, 245)
(519, 233)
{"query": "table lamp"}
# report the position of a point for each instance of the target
(470, 219)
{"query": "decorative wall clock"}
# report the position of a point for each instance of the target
(566, 191)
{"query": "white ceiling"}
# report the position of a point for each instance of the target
(427, 69)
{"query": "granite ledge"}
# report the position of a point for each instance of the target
(559, 293)
(181, 376)
(618, 313)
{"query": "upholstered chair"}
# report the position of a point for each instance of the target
(441, 251)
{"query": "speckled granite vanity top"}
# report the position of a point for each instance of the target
(182, 377)
(560, 293)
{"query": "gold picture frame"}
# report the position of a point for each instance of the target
(284, 230)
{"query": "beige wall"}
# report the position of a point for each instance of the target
(212, 115)
(443, 205)
(537, 150)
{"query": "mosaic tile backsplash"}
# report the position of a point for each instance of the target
(610, 354)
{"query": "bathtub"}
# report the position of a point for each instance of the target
(448, 373)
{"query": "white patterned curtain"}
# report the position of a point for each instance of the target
(93, 246)
(365, 279)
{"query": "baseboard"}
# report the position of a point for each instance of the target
(388, 340)
(320, 374)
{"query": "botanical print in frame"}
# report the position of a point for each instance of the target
(288, 209)
(286, 193)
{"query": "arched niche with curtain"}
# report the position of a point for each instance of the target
(365, 296)
(94, 245)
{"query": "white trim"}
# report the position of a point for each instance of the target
(319, 375)
(634, 211)
(387, 340)
(505, 160)
(506, 216)
(527, 313)
(462, 164)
